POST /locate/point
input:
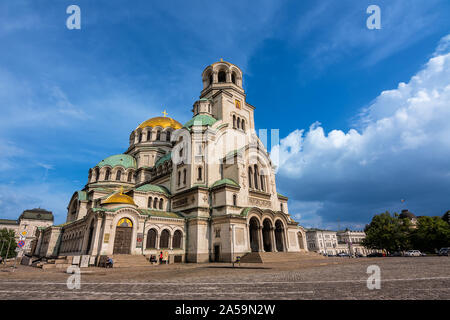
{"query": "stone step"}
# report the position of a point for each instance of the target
(270, 257)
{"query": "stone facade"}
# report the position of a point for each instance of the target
(202, 191)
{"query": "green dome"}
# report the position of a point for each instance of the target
(153, 188)
(123, 160)
(165, 157)
(200, 119)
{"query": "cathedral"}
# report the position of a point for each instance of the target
(204, 191)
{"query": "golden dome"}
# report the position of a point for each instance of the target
(163, 122)
(119, 197)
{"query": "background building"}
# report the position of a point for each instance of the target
(30, 221)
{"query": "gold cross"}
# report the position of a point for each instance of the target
(221, 60)
(165, 113)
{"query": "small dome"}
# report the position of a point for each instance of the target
(164, 122)
(119, 197)
(406, 214)
(124, 160)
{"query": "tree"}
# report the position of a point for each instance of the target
(7, 239)
(446, 217)
(387, 232)
(431, 233)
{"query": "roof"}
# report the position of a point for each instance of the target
(153, 188)
(124, 160)
(225, 181)
(281, 196)
(160, 213)
(82, 195)
(37, 214)
(164, 158)
(9, 221)
(163, 122)
(200, 119)
(119, 197)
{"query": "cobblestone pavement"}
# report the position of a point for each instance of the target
(330, 278)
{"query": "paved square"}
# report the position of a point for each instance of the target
(330, 278)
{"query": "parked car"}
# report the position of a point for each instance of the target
(413, 253)
(444, 252)
(359, 255)
(343, 254)
(395, 254)
(375, 254)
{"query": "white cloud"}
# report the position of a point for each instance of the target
(402, 150)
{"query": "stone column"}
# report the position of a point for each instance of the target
(260, 238)
(228, 76)
(272, 236)
(215, 77)
(249, 246)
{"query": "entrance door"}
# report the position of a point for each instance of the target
(279, 230)
(122, 240)
(267, 237)
(216, 253)
(254, 234)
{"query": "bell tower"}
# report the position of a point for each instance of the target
(223, 96)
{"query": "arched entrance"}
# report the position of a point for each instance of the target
(267, 237)
(90, 236)
(254, 237)
(279, 230)
(122, 240)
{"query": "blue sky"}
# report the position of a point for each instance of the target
(70, 98)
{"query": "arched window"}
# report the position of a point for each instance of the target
(199, 173)
(161, 203)
(263, 185)
(233, 78)
(149, 135)
(130, 176)
(151, 238)
(179, 178)
(256, 176)
(155, 203)
(243, 124)
(181, 152)
(234, 200)
(250, 174)
(158, 135)
(140, 136)
(97, 174)
(118, 175)
(107, 173)
(176, 241)
(281, 207)
(222, 76)
(234, 121)
(149, 203)
(168, 136)
(210, 78)
(184, 176)
(164, 240)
